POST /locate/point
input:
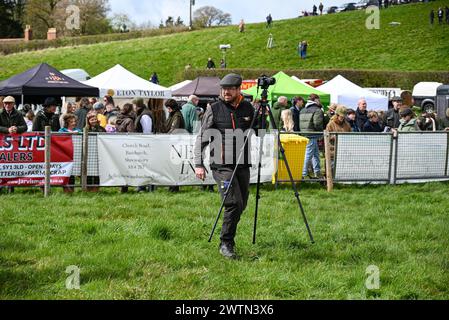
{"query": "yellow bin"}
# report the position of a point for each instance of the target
(295, 150)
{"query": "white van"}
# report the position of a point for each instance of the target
(425, 94)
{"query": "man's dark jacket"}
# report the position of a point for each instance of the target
(44, 119)
(223, 116)
(13, 119)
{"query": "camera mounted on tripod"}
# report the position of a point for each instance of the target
(265, 82)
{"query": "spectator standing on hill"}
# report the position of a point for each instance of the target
(303, 45)
(440, 15)
(361, 114)
(154, 78)
(210, 64)
(298, 104)
(372, 125)
(222, 64)
(432, 16)
(314, 10)
(269, 21)
(242, 26)
(312, 121)
(350, 118)
(47, 117)
(321, 7)
(386, 4)
(392, 117)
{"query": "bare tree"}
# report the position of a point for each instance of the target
(207, 16)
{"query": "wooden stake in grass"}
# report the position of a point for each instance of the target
(327, 148)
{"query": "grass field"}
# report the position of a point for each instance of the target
(154, 246)
(336, 41)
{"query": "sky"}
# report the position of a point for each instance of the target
(144, 11)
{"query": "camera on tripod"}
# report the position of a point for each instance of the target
(265, 82)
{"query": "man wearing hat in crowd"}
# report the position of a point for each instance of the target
(392, 117)
(408, 121)
(230, 113)
(11, 121)
(47, 117)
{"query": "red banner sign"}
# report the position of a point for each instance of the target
(22, 160)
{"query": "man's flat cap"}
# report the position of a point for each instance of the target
(231, 80)
(406, 112)
(396, 98)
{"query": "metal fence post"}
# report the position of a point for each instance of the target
(327, 152)
(47, 185)
(85, 159)
(396, 155)
(447, 155)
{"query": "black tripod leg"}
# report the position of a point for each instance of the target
(295, 189)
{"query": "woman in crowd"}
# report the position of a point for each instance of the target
(350, 118)
(70, 109)
(93, 125)
(69, 124)
(287, 121)
(109, 105)
(175, 119)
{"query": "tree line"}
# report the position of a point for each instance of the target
(90, 18)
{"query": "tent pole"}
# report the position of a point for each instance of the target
(22, 100)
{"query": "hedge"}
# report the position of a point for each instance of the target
(365, 78)
(21, 46)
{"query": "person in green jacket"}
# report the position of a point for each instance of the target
(408, 121)
(278, 107)
(190, 115)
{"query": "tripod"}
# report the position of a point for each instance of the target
(261, 112)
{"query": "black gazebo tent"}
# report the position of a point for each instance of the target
(44, 80)
(205, 88)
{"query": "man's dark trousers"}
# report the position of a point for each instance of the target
(237, 199)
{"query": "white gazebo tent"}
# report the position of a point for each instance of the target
(120, 83)
(179, 85)
(345, 92)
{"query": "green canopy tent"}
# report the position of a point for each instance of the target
(290, 88)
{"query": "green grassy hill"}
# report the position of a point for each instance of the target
(336, 41)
